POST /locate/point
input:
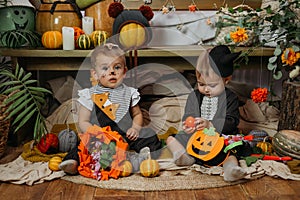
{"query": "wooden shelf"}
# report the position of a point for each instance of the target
(178, 57)
(163, 51)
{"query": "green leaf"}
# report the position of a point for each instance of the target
(272, 66)
(296, 48)
(277, 51)
(8, 73)
(9, 90)
(40, 99)
(14, 97)
(27, 117)
(9, 83)
(21, 72)
(27, 76)
(23, 114)
(39, 89)
(277, 75)
(13, 110)
(28, 82)
(16, 102)
(272, 59)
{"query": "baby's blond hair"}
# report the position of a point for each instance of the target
(108, 49)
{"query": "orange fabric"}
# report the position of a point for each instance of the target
(105, 135)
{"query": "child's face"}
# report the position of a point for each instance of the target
(210, 86)
(109, 71)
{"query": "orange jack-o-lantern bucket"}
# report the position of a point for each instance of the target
(207, 147)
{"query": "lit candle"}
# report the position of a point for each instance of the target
(88, 25)
(68, 38)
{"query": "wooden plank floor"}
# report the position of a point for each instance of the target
(266, 188)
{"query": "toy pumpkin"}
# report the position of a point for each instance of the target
(99, 37)
(84, 41)
(54, 162)
(149, 168)
(126, 168)
(48, 144)
(205, 144)
(52, 39)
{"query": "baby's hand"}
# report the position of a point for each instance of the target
(132, 134)
(202, 123)
(188, 129)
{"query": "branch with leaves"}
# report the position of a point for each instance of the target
(24, 101)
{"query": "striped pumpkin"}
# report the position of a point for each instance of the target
(99, 37)
(287, 143)
(149, 168)
(84, 41)
(52, 39)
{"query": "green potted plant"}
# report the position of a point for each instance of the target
(17, 25)
(24, 100)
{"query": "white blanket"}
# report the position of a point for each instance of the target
(21, 171)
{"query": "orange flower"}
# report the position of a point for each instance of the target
(289, 56)
(239, 35)
(192, 8)
(259, 95)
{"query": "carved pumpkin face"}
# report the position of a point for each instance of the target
(17, 18)
(205, 146)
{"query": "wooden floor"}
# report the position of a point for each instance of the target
(264, 188)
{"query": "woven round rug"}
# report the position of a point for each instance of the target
(167, 180)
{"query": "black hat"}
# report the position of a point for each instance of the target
(221, 59)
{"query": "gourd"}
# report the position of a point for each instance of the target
(265, 146)
(126, 168)
(99, 37)
(149, 168)
(84, 42)
(132, 35)
(54, 162)
(287, 143)
(52, 39)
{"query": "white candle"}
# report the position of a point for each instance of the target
(68, 38)
(88, 25)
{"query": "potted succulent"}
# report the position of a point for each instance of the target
(17, 25)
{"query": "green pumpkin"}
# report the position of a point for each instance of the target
(84, 42)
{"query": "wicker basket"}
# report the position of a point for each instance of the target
(4, 125)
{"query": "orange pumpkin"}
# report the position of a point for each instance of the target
(54, 162)
(126, 168)
(132, 35)
(149, 168)
(77, 32)
(52, 39)
(205, 144)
